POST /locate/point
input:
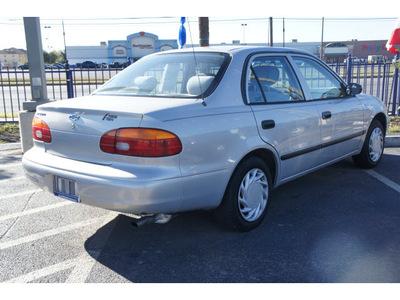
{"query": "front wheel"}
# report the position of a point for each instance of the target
(372, 151)
(246, 197)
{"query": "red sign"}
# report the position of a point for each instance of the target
(143, 46)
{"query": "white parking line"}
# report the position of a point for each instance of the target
(45, 271)
(35, 210)
(9, 196)
(82, 269)
(11, 164)
(82, 265)
(384, 180)
(40, 235)
(13, 179)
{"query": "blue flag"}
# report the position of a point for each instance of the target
(182, 32)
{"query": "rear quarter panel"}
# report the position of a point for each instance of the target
(214, 141)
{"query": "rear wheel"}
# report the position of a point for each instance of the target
(246, 198)
(372, 151)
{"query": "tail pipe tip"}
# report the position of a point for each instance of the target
(158, 218)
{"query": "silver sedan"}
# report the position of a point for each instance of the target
(208, 128)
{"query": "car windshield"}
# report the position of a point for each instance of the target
(181, 75)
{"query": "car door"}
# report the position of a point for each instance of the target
(341, 115)
(284, 119)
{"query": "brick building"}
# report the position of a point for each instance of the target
(363, 50)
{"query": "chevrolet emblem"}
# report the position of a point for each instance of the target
(74, 118)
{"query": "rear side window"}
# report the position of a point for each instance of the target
(321, 83)
(271, 80)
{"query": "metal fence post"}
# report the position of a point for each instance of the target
(70, 87)
(383, 83)
(395, 111)
(348, 76)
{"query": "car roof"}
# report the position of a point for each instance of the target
(242, 49)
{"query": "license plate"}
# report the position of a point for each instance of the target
(66, 188)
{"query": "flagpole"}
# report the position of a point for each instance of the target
(391, 47)
(395, 110)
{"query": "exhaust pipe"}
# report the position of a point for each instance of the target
(158, 218)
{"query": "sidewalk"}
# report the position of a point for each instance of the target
(10, 146)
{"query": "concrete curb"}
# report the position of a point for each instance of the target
(392, 140)
(10, 146)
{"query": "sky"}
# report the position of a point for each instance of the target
(91, 22)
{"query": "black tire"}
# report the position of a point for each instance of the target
(246, 198)
(372, 150)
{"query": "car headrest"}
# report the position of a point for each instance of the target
(146, 83)
(199, 84)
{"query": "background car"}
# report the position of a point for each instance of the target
(58, 66)
(89, 65)
(209, 128)
(119, 65)
(25, 66)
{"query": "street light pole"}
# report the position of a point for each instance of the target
(47, 38)
(244, 31)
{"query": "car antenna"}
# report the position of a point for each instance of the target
(195, 63)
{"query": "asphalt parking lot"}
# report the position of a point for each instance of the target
(339, 224)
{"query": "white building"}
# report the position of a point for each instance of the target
(133, 48)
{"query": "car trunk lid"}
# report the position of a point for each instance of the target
(77, 126)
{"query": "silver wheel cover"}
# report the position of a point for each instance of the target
(376, 144)
(253, 195)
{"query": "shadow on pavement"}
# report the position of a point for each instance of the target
(335, 225)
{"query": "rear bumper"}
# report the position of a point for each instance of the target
(108, 186)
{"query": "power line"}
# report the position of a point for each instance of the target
(175, 20)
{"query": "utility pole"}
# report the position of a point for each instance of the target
(283, 32)
(204, 33)
(321, 52)
(37, 79)
(68, 72)
(36, 62)
(271, 38)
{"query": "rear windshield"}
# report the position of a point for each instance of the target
(180, 75)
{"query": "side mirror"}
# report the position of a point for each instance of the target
(353, 89)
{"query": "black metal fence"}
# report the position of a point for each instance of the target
(378, 79)
(15, 86)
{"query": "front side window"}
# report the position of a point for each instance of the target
(270, 80)
(321, 83)
(178, 75)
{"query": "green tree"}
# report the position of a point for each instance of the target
(53, 56)
(63, 57)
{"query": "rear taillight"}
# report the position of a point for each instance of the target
(40, 130)
(144, 142)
